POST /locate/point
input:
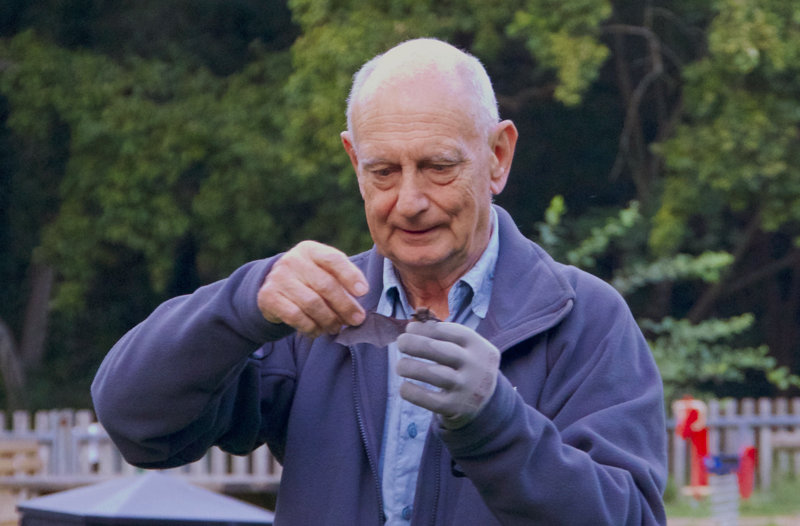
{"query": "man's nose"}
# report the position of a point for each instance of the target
(412, 198)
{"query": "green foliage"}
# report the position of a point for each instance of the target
(135, 131)
(692, 357)
(563, 36)
(159, 150)
(549, 231)
(137, 135)
(156, 152)
(581, 243)
(600, 237)
(737, 145)
(707, 267)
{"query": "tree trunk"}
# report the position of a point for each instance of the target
(705, 303)
(11, 369)
(783, 303)
(37, 314)
(16, 362)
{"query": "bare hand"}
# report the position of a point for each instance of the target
(313, 288)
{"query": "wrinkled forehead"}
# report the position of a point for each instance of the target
(426, 93)
(416, 71)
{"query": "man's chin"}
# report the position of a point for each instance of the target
(423, 263)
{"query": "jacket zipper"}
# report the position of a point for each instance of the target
(362, 430)
(437, 480)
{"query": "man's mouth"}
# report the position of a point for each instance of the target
(417, 231)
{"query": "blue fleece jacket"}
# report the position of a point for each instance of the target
(574, 433)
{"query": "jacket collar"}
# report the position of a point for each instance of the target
(530, 294)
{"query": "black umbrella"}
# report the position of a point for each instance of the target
(151, 498)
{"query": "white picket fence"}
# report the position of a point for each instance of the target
(75, 450)
(772, 425)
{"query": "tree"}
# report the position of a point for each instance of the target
(150, 147)
(156, 154)
(733, 166)
(696, 358)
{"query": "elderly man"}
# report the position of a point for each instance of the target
(534, 401)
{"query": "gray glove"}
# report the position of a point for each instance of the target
(461, 372)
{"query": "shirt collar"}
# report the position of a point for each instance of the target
(471, 292)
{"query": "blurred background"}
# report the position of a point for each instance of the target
(149, 147)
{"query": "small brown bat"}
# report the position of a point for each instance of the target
(424, 314)
(381, 330)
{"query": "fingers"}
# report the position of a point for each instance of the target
(337, 264)
(428, 348)
(446, 331)
(313, 288)
(436, 401)
(447, 400)
(436, 375)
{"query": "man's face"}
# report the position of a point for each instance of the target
(424, 171)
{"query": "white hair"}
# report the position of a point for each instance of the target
(441, 56)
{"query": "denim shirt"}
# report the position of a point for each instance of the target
(406, 425)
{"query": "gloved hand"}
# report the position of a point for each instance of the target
(462, 370)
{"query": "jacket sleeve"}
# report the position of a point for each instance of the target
(182, 380)
(591, 447)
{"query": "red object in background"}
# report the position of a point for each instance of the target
(690, 416)
(691, 426)
(699, 450)
(746, 473)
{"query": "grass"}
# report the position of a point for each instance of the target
(781, 499)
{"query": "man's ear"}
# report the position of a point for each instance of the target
(347, 142)
(349, 147)
(502, 141)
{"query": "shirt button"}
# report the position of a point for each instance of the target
(412, 430)
(406, 513)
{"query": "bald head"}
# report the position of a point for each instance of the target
(427, 60)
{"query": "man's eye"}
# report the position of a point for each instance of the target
(382, 172)
(440, 167)
(441, 173)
